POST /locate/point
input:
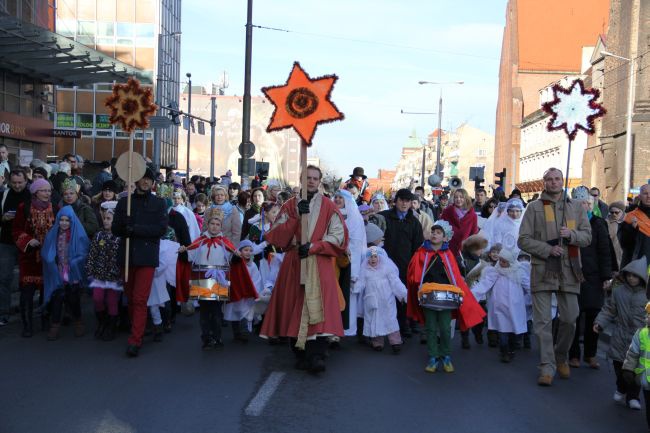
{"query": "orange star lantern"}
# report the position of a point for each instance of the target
(302, 103)
(131, 105)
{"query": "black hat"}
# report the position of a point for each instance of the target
(404, 194)
(110, 185)
(41, 171)
(149, 174)
(104, 164)
(358, 171)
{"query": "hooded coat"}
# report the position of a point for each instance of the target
(624, 311)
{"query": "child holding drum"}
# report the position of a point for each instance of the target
(436, 288)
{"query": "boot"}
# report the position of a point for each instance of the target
(53, 333)
(158, 333)
(465, 340)
(79, 329)
(102, 321)
(493, 338)
(111, 327)
(27, 312)
(165, 314)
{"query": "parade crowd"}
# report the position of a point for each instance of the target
(341, 263)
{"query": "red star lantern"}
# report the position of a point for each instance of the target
(130, 105)
(302, 103)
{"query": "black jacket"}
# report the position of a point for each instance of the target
(149, 222)
(10, 204)
(633, 242)
(596, 265)
(401, 239)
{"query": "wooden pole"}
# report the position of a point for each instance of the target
(128, 205)
(304, 218)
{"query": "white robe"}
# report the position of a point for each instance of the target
(507, 297)
(379, 288)
(243, 309)
(165, 273)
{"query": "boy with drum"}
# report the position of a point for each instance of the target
(433, 265)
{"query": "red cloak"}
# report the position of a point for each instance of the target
(283, 315)
(463, 227)
(470, 312)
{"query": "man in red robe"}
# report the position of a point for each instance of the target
(309, 312)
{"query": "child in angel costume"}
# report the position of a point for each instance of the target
(241, 313)
(164, 277)
(379, 284)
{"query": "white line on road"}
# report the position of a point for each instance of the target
(257, 404)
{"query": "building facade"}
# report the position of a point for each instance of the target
(141, 33)
(542, 43)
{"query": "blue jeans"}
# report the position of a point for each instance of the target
(8, 258)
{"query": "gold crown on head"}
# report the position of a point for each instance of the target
(70, 184)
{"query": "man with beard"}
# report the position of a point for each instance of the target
(307, 313)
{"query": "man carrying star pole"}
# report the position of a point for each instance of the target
(307, 313)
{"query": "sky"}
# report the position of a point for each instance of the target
(380, 49)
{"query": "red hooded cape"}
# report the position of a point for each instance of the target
(470, 312)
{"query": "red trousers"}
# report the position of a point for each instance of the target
(137, 291)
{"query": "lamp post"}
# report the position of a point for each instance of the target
(627, 170)
(160, 79)
(424, 147)
(247, 149)
(189, 124)
(437, 170)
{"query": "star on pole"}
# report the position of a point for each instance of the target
(573, 108)
(302, 103)
(130, 105)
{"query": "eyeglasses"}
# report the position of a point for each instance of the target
(594, 195)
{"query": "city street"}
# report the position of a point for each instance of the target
(82, 385)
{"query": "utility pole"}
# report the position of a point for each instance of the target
(213, 124)
(439, 145)
(246, 148)
(189, 124)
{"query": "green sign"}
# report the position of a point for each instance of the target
(102, 121)
(85, 121)
(65, 120)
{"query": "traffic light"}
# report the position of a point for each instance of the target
(173, 114)
(262, 170)
(501, 179)
(478, 183)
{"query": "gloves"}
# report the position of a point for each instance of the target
(303, 207)
(303, 250)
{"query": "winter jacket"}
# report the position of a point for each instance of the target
(86, 216)
(102, 261)
(625, 311)
(634, 243)
(148, 221)
(401, 238)
(596, 266)
(533, 240)
(463, 227)
(635, 354)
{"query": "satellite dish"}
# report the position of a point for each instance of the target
(434, 180)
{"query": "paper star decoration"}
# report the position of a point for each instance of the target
(302, 103)
(130, 105)
(573, 109)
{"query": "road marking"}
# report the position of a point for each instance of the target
(257, 404)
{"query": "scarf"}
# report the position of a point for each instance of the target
(643, 221)
(554, 264)
(460, 212)
(40, 205)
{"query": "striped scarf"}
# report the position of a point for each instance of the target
(554, 264)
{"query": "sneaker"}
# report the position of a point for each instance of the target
(619, 397)
(564, 370)
(545, 380)
(432, 366)
(634, 404)
(4, 321)
(447, 365)
(574, 363)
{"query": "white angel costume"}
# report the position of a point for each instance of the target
(501, 228)
(164, 274)
(380, 285)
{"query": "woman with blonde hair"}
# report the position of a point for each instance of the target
(231, 225)
(460, 214)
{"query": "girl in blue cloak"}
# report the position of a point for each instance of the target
(64, 253)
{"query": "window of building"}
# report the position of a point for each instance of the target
(85, 121)
(86, 28)
(64, 120)
(67, 28)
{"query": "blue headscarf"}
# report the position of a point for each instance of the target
(77, 253)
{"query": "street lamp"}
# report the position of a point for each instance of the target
(424, 146)
(630, 108)
(189, 124)
(437, 170)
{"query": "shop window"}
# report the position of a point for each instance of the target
(85, 121)
(67, 28)
(126, 30)
(105, 29)
(86, 40)
(144, 30)
(64, 120)
(86, 28)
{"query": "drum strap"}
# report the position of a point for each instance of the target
(426, 269)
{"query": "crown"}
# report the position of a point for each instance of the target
(70, 184)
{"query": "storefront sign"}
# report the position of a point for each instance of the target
(102, 121)
(67, 133)
(25, 128)
(64, 120)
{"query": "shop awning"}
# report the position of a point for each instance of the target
(37, 52)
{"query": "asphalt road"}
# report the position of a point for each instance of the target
(82, 385)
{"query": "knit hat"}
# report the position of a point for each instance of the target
(39, 184)
(110, 185)
(475, 242)
(245, 243)
(618, 205)
(149, 174)
(445, 227)
(373, 233)
(42, 171)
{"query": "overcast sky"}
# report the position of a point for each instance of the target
(380, 49)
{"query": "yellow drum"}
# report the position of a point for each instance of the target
(435, 296)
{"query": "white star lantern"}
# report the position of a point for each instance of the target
(573, 108)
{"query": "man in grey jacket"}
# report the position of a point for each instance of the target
(552, 231)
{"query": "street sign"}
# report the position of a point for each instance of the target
(250, 153)
(67, 133)
(201, 128)
(159, 122)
